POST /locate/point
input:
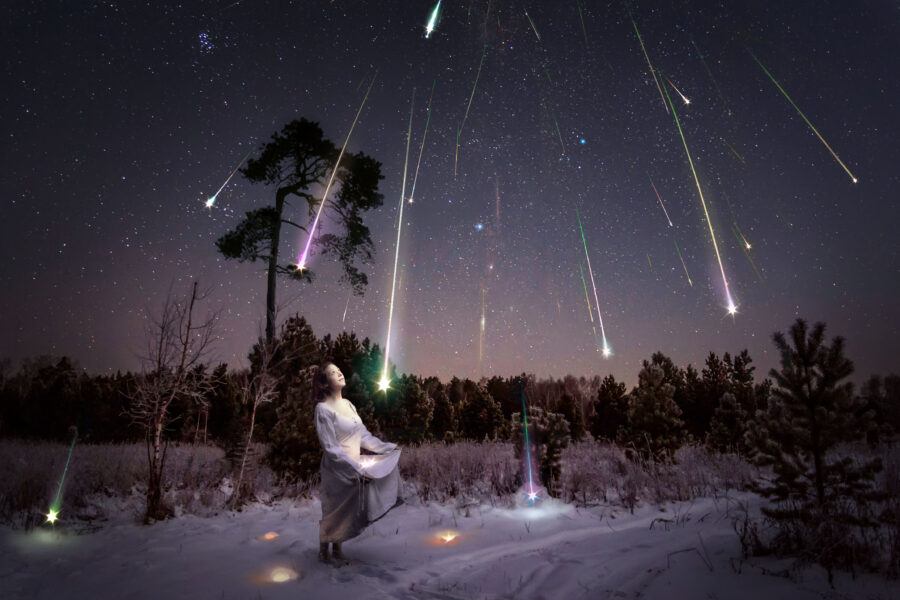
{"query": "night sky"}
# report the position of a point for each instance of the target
(121, 119)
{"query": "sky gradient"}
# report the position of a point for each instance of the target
(121, 119)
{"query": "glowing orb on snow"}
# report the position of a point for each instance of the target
(269, 536)
(282, 574)
(448, 536)
(444, 538)
(52, 516)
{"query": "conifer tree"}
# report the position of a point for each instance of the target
(819, 487)
(654, 427)
(728, 426)
(480, 416)
(610, 409)
(571, 409)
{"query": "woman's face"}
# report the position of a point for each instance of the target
(335, 377)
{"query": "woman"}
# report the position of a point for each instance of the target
(356, 490)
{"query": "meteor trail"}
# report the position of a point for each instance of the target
(460, 126)
(432, 20)
(212, 199)
(53, 513)
(606, 349)
(677, 249)
(532, 26)
(558, 132)
(301, 264)
(412, 193)
(346, 306)
(745, 246)
(652, 70)
(581, 16)
(732, 308)
(660, 201)
(800, 112)
(736, 153)
(481, 336)
(385, 380)
(683, 97)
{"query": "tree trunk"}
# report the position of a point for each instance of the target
(280, 195)
(237, 488)
(154, 486)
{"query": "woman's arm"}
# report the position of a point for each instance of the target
(330, 446)
(372, 443)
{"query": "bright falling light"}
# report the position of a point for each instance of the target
(532, 496)
(52, 516)
(732, 309)
(301, 264)
(607, 351)
(800, 112)
(212, 199)
(652, 70)
(385, 380)
(432, 20)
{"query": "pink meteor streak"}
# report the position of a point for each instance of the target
(301, 264)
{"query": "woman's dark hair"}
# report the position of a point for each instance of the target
(320, 382)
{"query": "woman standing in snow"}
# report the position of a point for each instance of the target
(356, 490)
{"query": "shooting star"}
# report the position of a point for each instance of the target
(731, 307)
(460, 126)
(800, 112)
(683, 97)
(652, 70)
(606, 350)
(412, 193)
(301, 264)
(677, 249)
(212, 199)
(658, 197)
(432, 20)
(385, 381)
(532, 26)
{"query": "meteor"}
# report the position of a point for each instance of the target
(736, 153)
(412, 193)
(460, 126)
(385, 381)
(677, 249)
(648, 260)
(432, 20)
(53, 513)
(683, 97)
(800, 112)
(590, 312)
(745, 246)
(532, 26)
(607, 351)
(346, 306)
(301, 264)
(558, 132)
(481, 336)
(212, 199)
(581, 16)
(652, 70)
(532, 495)
(660, 201)
(731, 307)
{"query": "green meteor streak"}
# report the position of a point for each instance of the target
(586, 296)
(800, 112)
(677, 249)
(412, 193)
(433, 19)
(55, 506)
(558, 132)
(652, 70)
(732, 309)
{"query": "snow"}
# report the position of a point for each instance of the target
(552, 550)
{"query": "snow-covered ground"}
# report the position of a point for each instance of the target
(549, 551)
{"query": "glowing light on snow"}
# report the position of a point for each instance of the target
(448, 536)
(282, 574)
(269, 536)
(52, 516)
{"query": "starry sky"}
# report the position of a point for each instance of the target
(121, 118)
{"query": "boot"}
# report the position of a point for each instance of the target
(337, 555)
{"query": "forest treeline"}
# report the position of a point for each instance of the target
(670, 406)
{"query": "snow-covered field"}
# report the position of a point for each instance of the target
(548, 551)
